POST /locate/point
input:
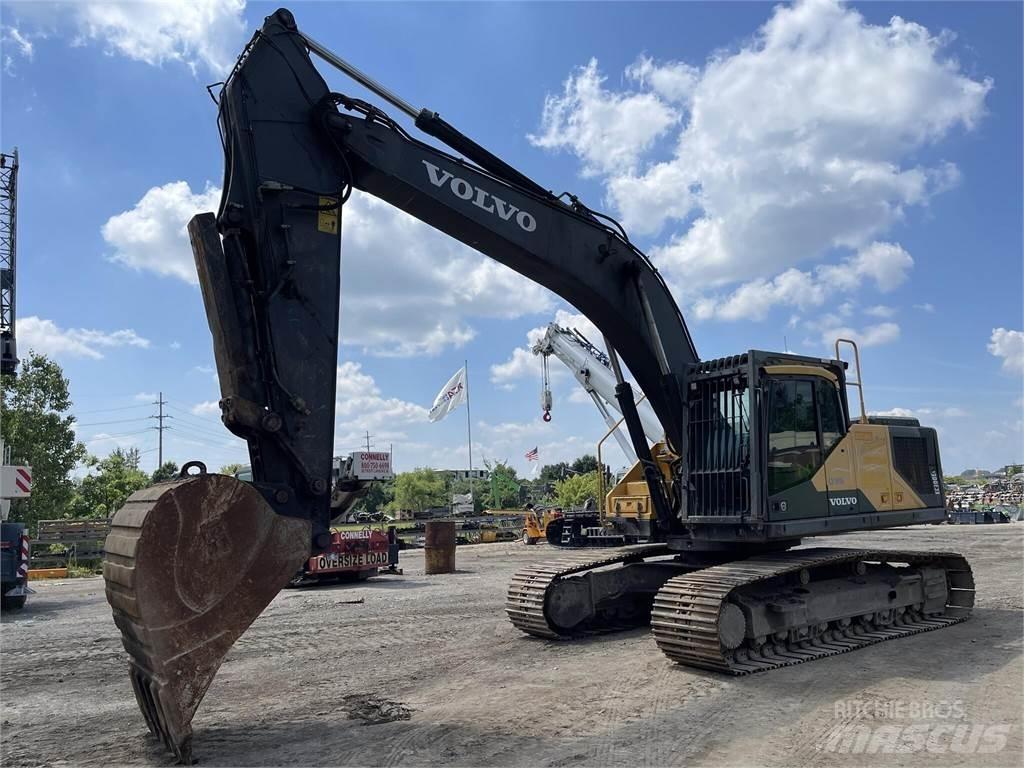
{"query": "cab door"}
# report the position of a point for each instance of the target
(796, 489)
(839, 451)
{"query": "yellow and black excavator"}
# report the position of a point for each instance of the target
(761, 450)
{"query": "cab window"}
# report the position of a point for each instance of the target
(794, 453)
(831, 413)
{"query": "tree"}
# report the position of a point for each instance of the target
(584, 464)
(377, 497)
(419, 489)
(551, 473)
(166, 471)
(576, 489)
(40, 432)
(105, 490)
(230, 469)
(503, 487)
(132, 456)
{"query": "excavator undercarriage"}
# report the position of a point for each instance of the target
(749, 615)
(759, 449)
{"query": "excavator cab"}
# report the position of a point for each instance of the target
(774, 454)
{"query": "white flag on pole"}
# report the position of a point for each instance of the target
(450, 397)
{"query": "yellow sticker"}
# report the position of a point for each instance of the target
(327, 221)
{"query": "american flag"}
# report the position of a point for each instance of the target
(532, 455)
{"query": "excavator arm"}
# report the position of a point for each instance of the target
(294, 152)
(191, 564)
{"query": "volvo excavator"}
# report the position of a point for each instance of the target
(763, 448)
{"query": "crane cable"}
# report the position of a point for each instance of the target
(545, 394)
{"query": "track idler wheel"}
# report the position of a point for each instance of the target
(189, 565)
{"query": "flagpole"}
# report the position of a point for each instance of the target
(469, 438)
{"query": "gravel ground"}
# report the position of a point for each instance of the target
(428, 671)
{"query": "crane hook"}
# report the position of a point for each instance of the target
(547, 416)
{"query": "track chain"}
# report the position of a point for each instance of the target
(687, 610)
(528, 590)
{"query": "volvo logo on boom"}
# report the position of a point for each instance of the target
(481, 198)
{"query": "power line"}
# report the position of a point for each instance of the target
(200, 425)
(108, 410)
(104, 436)
(191, 416)
(117, 421)
(209, 439)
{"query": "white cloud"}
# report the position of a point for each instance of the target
(753, 300)
(359, 397)
(14, 42)
(206, 408)
(145, 397)
(949, 412)
(673, 81)
(198, 33)
(904, 413)
(12, 38)
(802, 141)
(926, 307)
(607, 130)
(1008, 345)
(524, 364)
(152, 235)
(361, 407)
(869, 336)
(46, 337)
(104, 441)
(880, 311)
(886, 264)
(409, 289)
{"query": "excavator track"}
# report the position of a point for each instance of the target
(703, 619)
(531, 587)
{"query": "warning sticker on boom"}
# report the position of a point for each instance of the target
(327, 221)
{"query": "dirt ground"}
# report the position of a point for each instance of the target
(436, 657)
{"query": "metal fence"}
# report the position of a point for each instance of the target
(59, 543)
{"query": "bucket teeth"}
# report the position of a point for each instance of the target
(189, 565)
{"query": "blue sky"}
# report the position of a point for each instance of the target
(794, 171)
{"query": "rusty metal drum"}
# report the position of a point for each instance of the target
(439, 547)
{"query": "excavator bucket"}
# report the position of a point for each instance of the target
(189, 565)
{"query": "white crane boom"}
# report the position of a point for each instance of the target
(591, 368)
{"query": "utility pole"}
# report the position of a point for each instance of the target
(160, 403)
(368, 436)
